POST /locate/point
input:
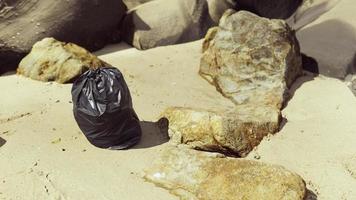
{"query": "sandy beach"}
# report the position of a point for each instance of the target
(45, 156)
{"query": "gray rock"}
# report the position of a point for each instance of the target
(194, 175)
(178, 21)
(90, 24)
(309, 11)
(51, 60)
(331, 41)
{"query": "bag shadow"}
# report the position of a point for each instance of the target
(153, 134)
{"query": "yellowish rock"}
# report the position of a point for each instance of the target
(234, 132)
(196, 175)
(250, 59)
(52, 60)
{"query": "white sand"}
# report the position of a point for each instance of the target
(318, 137)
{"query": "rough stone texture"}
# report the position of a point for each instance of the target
(88, 23)
(234, 132)
(178, 21)
(251, 60)
(51, 60)
(194, 175)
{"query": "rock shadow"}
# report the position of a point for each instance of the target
(153, 134)
(333, 44)
(2, 142)
(296, 85)
(310, 195)
(9, 73)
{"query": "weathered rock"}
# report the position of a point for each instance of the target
(51, 60)
(331, 40)
(234, 132)
(178, 21)
(90, 24)
(251, 60)
(277, 9)
(194, 175)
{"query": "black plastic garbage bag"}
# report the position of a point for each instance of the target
(102, 107)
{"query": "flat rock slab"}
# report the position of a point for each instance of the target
(52, 60)
(234, 132)
(194, 175)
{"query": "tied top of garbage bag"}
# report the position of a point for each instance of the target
(99, 91)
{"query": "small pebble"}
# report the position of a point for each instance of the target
(257, 157)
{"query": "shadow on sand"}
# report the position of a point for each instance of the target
(2, 142)
(333, 44)
(153, 134)
(310, 195)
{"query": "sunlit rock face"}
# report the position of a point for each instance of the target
(251, 60)
(234, 132)
(195, 175)
(52, 60)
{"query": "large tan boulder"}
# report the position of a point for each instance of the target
(167, 22)
(88, 23)
(251, 60)
(51, 60)
(194, 175)
(234, 132)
